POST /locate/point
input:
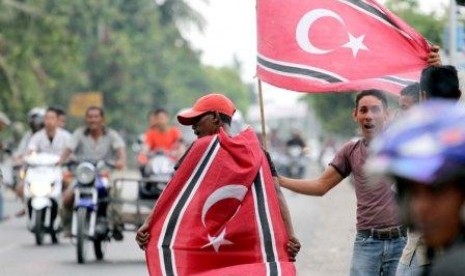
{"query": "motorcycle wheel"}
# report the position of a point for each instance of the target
(39, 226)
(98, 249)
(82, 241)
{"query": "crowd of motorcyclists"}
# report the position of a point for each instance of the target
(56, 173)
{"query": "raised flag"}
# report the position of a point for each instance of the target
(220, 215)
(336, 45)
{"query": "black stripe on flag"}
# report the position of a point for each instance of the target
(403, 82)
(297, 71)
(271, 259)
(173, 220)
(374, 11)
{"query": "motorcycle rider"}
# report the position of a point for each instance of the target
(296, 139)
(425, 154)
(52, 138)
(4, 122)
(94, 142)
(35, 120)
(295, 166)
(160, 136)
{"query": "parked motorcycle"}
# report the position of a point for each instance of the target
(156, 174)
(42, 195)
(90, 223)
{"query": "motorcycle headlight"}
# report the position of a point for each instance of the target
(85, 173)
(40, 189)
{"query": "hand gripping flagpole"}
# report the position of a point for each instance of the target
(262, 113)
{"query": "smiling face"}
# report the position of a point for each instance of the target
(371, 116)
(94, 120)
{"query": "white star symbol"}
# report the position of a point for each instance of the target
(356, 44)
(216, 242)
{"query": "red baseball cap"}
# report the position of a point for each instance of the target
(208, 103)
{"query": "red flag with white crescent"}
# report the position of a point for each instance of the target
(336, 45)
(220, 215)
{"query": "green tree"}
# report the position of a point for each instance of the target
(131, 51)
(430, 25)
(335, 111)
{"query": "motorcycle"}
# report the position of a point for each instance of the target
(295, 162)
(91, 198)
(156, 174)
(42, 195)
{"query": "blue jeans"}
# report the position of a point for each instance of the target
(414, 269)
(376, 257)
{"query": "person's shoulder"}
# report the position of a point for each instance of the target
(38, 133)
(115, 137)
(63, 131)
(35, 137)
(351, 145)
(79, 131)
(175, 131)
(113, 133)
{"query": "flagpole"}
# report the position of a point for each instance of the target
(452, 32)
(262, 113)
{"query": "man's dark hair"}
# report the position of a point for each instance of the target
(440, 82)
(52, 109)
(372, 92)
(98, 108)
(157, 111)
(60, 111)
(412, 90)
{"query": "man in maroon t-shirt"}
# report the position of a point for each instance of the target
(380, 237)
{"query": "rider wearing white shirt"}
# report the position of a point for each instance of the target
(51, 139)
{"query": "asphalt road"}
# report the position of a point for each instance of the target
(19, 255)
(325, 227)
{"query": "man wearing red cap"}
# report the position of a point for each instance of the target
(211, 115)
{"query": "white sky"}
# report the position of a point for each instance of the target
(231, 31)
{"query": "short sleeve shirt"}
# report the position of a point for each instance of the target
(376, 205)
(162, 140)
(40, 142)
(86, 148)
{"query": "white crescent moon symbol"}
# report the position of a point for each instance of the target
(229, 191)
(304, 26)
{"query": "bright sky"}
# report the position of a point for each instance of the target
(231, 31)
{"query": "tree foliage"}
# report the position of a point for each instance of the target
(430, 25)
(131, 51)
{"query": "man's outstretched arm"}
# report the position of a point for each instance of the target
(315, 187)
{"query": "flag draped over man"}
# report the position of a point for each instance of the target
(336, 45)
(220, 215)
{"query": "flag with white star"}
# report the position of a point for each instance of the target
(336, 45)
(220, 215)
